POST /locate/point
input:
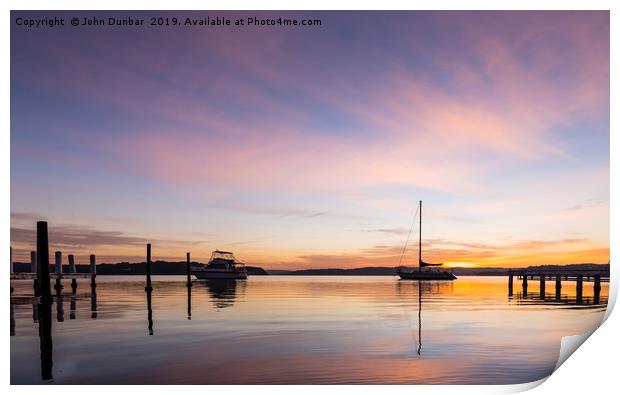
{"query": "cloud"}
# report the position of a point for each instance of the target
(590, 203)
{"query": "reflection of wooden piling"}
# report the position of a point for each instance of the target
(149, 309)
(510, 280)
(148, 287)
(93, 303)
(579, 288)
(58, 269)
(558, 287)
(189, 272)
(60, 308)
(72, 271)
(44, 315)
(597, 289)
(93, 271)
(43, 263)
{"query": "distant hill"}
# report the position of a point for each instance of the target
(157, 267)
(171, 268)
(458, 271)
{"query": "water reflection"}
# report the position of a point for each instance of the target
(149, 309)
(44, 311)
(189, 300)
(317, 330)
(223, 292)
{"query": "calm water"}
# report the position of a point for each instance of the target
(297, 330)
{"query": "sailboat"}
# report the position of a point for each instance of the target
(423, 274)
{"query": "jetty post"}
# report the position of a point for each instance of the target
(43, 263)
(558, 287)
(148, 287)
(11, 263)
(189, 272)
(33, 269)
(72, 271)
(58, 268)
(542, 286)
(510, 280)
(597, 289)
(525, 285)
(93, 271)
(579, 288)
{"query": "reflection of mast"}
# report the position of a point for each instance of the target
(419, 317)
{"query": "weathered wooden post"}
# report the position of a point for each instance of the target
(43, 263)
(525, 285)
(189, 272)
(11, 262)
(58, 269)
(148, 287)
(542, 286)
(597, 289)
(558, 287)
(73, 272)
(510, 280)
(579, 288)
(33, 269)
(93, 271)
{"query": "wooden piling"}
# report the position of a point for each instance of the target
(510, 281)
(597, 289)
(542, 287)
(33, 262)
(93, 271)
(43, 263)
(148, 287)
(58, 269)
(579, 288)
(189, 272)
(525, 285)
(558, 287)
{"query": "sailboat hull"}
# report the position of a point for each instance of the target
(426, 275)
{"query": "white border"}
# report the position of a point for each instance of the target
(591, 369)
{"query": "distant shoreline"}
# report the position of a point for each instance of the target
(179, 268)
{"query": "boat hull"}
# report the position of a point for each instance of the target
(426, 275)
(219, 275)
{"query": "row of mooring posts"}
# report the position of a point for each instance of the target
(149, 288)
(558, 284)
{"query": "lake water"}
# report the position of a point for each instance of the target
(297, 330)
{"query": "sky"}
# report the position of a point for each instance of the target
(310, 147)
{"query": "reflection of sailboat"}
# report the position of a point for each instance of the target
(419, 318)
(222, 292)
(427, 274)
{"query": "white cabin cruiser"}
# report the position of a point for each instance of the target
(222, 265)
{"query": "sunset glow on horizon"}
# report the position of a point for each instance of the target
(311, 147)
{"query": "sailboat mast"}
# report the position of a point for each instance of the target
(420, 241)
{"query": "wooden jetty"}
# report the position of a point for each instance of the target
(558, 275)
